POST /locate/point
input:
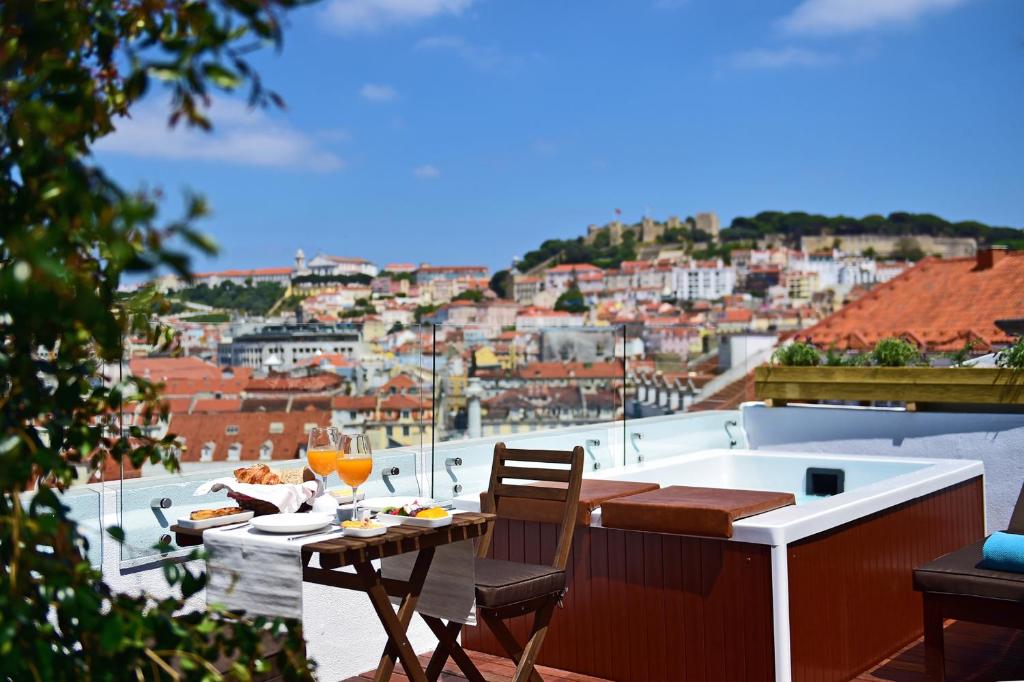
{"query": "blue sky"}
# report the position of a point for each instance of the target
(467, 131)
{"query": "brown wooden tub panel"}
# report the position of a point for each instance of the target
(852, 601)
(649, 606)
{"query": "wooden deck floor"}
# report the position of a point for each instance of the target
(974, 653)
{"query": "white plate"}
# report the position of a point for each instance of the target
(291, 523)
(393, 520)
(364, 532)
(377, 503)
(215, 521)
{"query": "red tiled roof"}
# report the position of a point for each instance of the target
(214, 405)
(575, 370)
(575, 267)
(285, 430)
(245, 273)
(354, 402)
(940, 302)
(282, 382)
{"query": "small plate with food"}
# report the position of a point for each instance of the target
(210, 518)
(363, 529)
(415, 515)
(291, 523)
(376, 504)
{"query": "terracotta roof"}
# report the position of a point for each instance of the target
(941, 302)
(574, 370)
(354, 402)
(400, 383)
(214, 405)
(575, 267)
(285, 430)
(729, 397)
(737, 315)
(158, 369)
(283, 382)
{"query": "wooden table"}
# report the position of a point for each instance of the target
(359, 553)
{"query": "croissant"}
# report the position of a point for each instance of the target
(257, 473)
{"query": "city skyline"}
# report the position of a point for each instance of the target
(565, 115)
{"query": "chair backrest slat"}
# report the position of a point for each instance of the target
(534, 474)
(530, 492)
(545, 503)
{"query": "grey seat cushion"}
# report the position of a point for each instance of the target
(499, 583)
(958, 573)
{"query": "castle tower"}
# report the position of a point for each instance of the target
(300, 261)
(708, 222)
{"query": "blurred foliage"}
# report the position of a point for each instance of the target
(68, 235)
(254, 299)
(796, 354)
(892, 352)
(332, 279)
(1012, 357)
(790, 226)
(472, 295)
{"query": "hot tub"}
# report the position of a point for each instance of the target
(818, 590)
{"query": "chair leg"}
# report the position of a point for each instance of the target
(508, 642)
(525, 671)
(934, 649)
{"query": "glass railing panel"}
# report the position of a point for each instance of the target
(85, 506)
(658, 437)
(464, 467)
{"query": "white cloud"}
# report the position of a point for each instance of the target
(846, 16)
(780, 58)
(484, 57)
(426, 172)
(240, 136)
(378, 93)
(352, 16)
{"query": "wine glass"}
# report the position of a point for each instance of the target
(323, 449)
(354, 463)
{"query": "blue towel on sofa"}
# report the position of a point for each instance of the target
(1003, 552)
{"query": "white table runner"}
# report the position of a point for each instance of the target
(261, 574)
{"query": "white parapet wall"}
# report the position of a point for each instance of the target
(995, 439)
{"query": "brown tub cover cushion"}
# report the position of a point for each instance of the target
(690, 511)
(958, 573)
(593, 492)
(499, 583)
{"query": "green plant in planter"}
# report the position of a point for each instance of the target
(796, 354)
(1012, 357)
(834, 358)
(894, 352)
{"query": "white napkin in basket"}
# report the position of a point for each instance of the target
(286, 497)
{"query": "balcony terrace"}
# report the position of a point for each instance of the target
(893, 460)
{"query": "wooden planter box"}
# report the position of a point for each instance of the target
(984, 385)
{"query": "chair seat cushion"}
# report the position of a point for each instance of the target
(958, 573)
(499, 583)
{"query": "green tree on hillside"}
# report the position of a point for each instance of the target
(571, 300)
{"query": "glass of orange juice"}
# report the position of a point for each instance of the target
(354, 463)
(322, 451)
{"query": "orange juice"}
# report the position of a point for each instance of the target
(322, 461)
(354, 470)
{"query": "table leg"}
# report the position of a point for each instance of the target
(448, 645)
(396, 625)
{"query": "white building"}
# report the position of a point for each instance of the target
(560, 277)
(325, 265)
(709, 280)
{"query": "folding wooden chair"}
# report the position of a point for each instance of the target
(506, 589)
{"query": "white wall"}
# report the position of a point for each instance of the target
(995, 439)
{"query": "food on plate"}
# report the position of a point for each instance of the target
(341, 494)
(257, 473)
(361, 525)
(417, 511)
(203, 514)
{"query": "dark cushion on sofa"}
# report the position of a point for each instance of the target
(499, 583)
(958, 573)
